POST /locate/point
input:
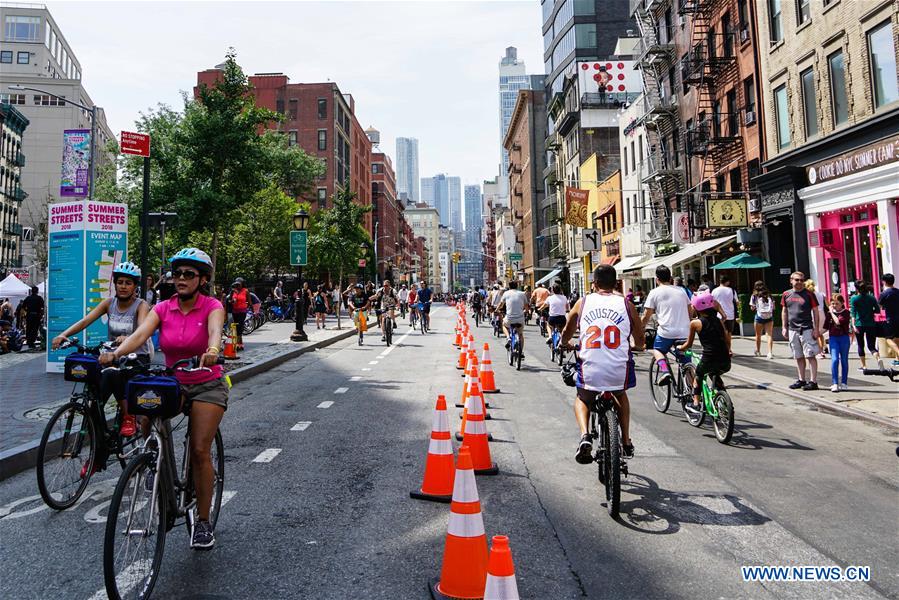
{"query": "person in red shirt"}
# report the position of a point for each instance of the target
(239, 302)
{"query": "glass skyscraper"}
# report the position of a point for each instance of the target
(512, 77)
(407, 169)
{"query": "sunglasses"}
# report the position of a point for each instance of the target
(183, 274)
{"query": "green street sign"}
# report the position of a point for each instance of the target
(515, 256)
(298, 254)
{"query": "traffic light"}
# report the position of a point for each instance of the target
(457, 256)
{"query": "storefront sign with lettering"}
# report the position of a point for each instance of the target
(868, 157)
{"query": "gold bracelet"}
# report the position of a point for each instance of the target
(212, 350)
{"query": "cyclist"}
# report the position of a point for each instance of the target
(476, 302)
(557, 308)
(514, 303)
(387, 300)
(538, 300)
(715, 353)
(124, 313)
(413, 305)
(672, 309)
(358, 300)
(190, 324)
(404, 300)
(424, 298)
(605, 362)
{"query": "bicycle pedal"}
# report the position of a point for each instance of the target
(624, 469)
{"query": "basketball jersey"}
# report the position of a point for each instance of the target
(604, 344)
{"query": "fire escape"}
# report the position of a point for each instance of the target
(714, 137)
(664, 175)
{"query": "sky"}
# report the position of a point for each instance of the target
(419, 69)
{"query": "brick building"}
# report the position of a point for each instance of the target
(321, 120)
(524, 143)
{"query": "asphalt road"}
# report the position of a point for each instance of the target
(330, 517)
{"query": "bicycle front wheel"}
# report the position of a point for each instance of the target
(724, 422)
(135, 532)
(63, 474)
(661, 394)
(612, 458)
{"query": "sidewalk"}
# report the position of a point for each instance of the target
(30, 395)
(869, 396)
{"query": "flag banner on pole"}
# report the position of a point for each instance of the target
(576, 206)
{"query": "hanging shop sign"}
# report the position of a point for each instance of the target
(726, 212)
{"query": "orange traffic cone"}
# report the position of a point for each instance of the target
(472, 355)
(473, 377)
(464, 570)
(458, 340)
(488, 384)
(230, 349)
(474, 433)
(439, 472)
(501, 584)
(463, 355)
(466, 386)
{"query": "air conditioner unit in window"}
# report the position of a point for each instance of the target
(682, 20)
(750, 117)
(822, 238)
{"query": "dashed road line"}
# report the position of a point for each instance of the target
(326, 404)
(267, 455)
(341, 390)
(355, 378)
(366, 368)
(372, 362)
(301, 426)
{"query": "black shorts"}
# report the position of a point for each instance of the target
(557, 321)
(715, 368)
(589, 397)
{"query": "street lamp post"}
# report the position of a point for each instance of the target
(93, 147)
(300, 223)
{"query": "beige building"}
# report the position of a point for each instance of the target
(425, 221)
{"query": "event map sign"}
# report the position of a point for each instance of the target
(76, 158)
(86, 240)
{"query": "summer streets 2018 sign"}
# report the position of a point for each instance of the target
(86, 241)
(864, 158)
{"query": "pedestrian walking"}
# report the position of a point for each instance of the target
(34, 316)
(801, 328)
(822, 309)
(320, 305)
(889, 302)
(762, 304)
(863, 307)
(837, 325)
(727, 299)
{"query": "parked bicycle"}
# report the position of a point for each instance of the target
(154, 491)
(79, 440)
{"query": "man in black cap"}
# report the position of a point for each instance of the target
(34, 316)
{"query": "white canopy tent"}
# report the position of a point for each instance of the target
(13, 288)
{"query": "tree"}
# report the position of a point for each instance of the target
(261, 234)
(336, 236)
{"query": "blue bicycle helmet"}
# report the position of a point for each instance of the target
(127, 269)
(193, 257)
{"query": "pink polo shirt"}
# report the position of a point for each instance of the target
(186, 335)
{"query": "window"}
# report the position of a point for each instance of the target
(322, 139)
(23, 58)
(803, 11)
(809, 108)
(882, 57)
(324, 172)
(743, 14)
(13, 99)
(279, 106)
(23, 29)
(836, 68)
(6, 56)
(377, 168)
(782, 113)
(322, 197)
(733, 121)
(292, 109)
(47, 100)
(322, 108)
(736, 183)
(633, 157)
(292, 138)
(640, 145)
(624, 159)
(753, 169)
(719, 182)
(774, 18)
(728, 35)
(749, 97)
(585, 35)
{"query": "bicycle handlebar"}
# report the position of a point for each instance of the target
(106, 346)
(130, 363)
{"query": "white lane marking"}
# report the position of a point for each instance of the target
(355, 378)
(341, 390)
(267, 455)
(301, 426)
(403, 339)
(127, 579)
(372, 362)
(227, 495)
(326, 404)
(366, 368)
(94, 516)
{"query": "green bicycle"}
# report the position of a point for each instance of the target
(716, 402)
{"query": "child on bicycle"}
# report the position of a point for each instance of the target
(715, 354)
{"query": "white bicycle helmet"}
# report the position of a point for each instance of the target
(127, 269)
(193, 257)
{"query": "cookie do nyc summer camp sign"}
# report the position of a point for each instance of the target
(86, 240)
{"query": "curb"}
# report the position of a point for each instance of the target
(23, 457)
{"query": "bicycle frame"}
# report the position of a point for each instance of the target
(166, 471)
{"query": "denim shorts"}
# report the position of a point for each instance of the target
(663, 344)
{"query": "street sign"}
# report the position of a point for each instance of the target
(298, 255)
(592, 239)
(361, 263)
(515, 256)
(135, 143)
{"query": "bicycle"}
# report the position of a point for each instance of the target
(78, 433)
(542, 323)
(413, 317)
(514, 348)
(555, 347)
(361, 323)
(603, 425)
(388, 327)
(424, 321)
(682, 371)
(716, 402)
(153, 493)
(497, 326)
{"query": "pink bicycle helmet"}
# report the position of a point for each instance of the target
(702, 301)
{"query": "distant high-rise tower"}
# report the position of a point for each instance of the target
(454, 194)
(407, 169)
(435, 191)
(512, 77)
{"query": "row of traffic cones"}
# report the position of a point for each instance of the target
(466, 570)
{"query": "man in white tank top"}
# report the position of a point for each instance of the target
(606, 321)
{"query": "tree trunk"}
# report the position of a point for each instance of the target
(340, 301)
(215, 250)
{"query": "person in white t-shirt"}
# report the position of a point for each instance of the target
(558, 309)
(728, 302)
(671, 307)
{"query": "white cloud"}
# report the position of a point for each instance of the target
(418, 69)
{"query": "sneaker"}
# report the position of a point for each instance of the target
(835, 388)
(757, 354)
(203, 537)
(664, 378)
(844, 387)
(810, 386)
(797, 384)
(128, 426)
(880, 364)
(508, 344)
(627, 450)
(383, 338)
(861, 369)
(584, 453)
(769, 356)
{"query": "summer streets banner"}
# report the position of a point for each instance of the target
(576, 206)
(86, 240)
(76, 156)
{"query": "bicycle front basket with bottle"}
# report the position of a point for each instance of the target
(153, 396)
(82, 368)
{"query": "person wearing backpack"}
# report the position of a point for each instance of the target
(762, 304)
(320, 306)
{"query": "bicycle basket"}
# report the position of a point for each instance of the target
(82, 368)
(153, 396)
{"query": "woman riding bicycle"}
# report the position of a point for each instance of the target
(124, 313)
(557, 307)
(190, 324)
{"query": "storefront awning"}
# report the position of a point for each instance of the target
(688, 252)
(629, 263)
(743, 261)
(546, 278)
